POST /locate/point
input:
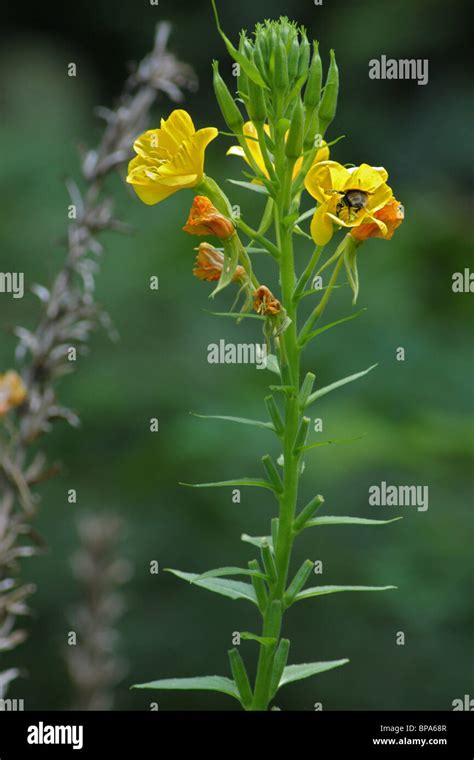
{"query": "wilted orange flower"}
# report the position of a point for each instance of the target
(12, 391)
(210, 262)
(265, 303)
(205, 219)
(392, 215)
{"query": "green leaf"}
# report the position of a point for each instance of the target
(240, 420)
(219, 572)
(256, 540)
(307, 669)
(339, 520)
(272, 364)
(224, 483)
(332, 324)
(321, 590)
(200, 683)
(328, 443)
(249, 67)
(266, 641)
(231, 260)
(232, 589)
(350, 262)
(338, 384)
(254, 187)
(235, 314)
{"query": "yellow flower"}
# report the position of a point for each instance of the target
(392, 215)
(169, 158)
(347, 197)
(251, 138)
(12, 391)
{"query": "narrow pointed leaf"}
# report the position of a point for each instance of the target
(234, 314)
(338, 384)
(256, 540)
(240, 420)
(221, 572)
(232, 589)
(249, 67)
(200, 683)
(223, 483)
(306, 670)
(250, 186)
(340, 520)
(266, 641)
(317, 444)
(321, 590)
(272, 364)
(332, 324)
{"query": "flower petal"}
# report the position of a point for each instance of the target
(321, 226)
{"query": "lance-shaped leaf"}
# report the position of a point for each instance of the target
(341, 520)
(236, 483)
(249, 186)
(266, 641)
(231, 260)
(332, 324)
(238, 420)
(222, 572)
(248, 66)
(272, 364)
(234, 314)
(256, 540)
(335, 441)
(200, 683)
(307, 669)
(338, 384)
(321, 590)
(232, 589)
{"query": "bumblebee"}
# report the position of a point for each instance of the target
(354, 200)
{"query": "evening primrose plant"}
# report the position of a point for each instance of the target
(281, 139)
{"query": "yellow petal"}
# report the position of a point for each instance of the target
(366, 177)
(380, 198)
(321, 226)
(151, 194)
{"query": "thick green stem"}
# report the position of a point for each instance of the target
(290, 364)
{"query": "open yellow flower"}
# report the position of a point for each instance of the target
(347, 197)
(169, 158)
(251, 138)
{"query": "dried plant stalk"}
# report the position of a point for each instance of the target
(93, 664)
(69, 316)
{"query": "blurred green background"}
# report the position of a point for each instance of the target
(417, 414)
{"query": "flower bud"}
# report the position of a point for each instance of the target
(242, 79)
(280, 73)
(312, 93)
(294, 143)
(12, 391)
(205, 219)
(303, 61)
(328, 104)
(256, 107)
(232, 116)
(265, 303)
(210, 263)
(293, 59)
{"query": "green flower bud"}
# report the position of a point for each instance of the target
(260, 59)
(312, 93)
(312, 129)
(256, 104)
(232, 116)
(303, 61)
(242, 79)
(293, 59)
(241, 678)
(328, 105)
(298, 581)
(280, 73)
(294, 143)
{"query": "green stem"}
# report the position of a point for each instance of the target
(290, 363)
